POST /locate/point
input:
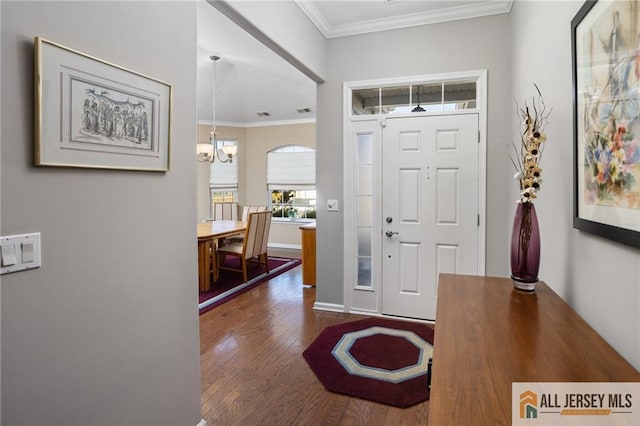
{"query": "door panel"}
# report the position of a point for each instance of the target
(430, 190)
(410, 181)
(446, 258)
(409, 282)
(447, 196)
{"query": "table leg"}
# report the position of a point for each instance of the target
(205, 248)
(215, 273)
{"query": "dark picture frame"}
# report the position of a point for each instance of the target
(605, 47)
(91, 113)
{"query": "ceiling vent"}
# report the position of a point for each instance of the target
(303, 110)
(263, 114)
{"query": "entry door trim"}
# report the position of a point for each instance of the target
(349, 207)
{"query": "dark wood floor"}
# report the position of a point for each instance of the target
(253, 372)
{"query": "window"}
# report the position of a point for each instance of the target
(223, 197)
(291, 181)
(406, 99)
(364, 194)
(223, 181)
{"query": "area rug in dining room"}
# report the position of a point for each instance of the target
(230, 283)
(378, 359)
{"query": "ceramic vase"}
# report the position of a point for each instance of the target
(525, 248)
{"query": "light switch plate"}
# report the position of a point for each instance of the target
(20, 252)
(332, 205)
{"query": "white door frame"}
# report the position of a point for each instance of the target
(350, 272)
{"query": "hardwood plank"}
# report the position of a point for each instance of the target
(253, 372)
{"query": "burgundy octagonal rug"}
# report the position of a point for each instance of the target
(378, 359)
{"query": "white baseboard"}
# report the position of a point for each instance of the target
(330, 307)
(203, 422)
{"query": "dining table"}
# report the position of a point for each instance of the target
(209, 234)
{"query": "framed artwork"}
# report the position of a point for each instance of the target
(605, 38)
(94, 114)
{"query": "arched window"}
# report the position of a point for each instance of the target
(291, 181)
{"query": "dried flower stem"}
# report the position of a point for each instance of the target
(529, 151)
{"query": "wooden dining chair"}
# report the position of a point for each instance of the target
(225, 211)
(246, 210)
(254, 246)
(251, 209)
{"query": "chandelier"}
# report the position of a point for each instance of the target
(207, 152)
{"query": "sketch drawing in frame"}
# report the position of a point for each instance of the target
(606, 89)
(94, 114)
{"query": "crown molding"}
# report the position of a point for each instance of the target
(315, 16)
(492, 7)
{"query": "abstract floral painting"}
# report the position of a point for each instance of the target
(606, 47)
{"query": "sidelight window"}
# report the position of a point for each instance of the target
(364, 194)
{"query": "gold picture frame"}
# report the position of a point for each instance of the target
(90, 113)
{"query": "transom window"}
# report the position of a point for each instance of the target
(427, 97)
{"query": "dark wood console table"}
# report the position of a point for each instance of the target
(488, 335)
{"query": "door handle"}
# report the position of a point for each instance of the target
(390, 234)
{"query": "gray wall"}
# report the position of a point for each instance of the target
(457, 46)
(599, 278)
(106, 331)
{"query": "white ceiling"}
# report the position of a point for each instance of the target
(251, 78)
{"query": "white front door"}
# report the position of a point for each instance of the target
(429, 208)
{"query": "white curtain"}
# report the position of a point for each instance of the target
(224, 176)
(285, 168)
